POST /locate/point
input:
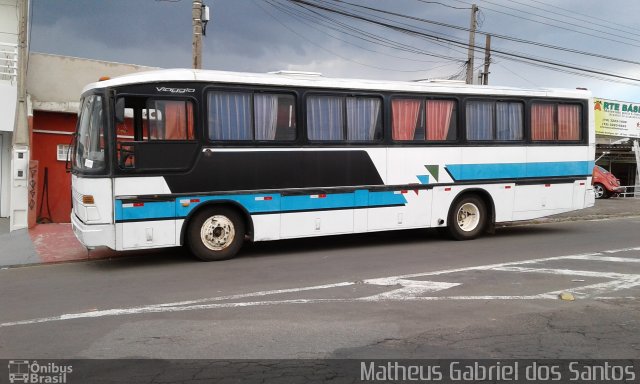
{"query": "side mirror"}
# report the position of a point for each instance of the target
(119, 112)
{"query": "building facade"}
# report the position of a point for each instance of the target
(8, 94)
(54, 85)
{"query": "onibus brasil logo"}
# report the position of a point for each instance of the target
(24, 371)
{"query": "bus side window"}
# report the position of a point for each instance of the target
(125, 131)
(169, 120)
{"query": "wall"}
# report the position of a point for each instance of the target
(5, 171)
(9, 21)
(49, 130)
(8, 95)
(56, 82)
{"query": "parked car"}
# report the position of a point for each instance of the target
(605, 184)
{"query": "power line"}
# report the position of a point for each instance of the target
(434, 41)
(330, 51)
(573, 12)
(501, 36)
(444, 5)
(522, 56)
(553, 19)
(553, 25)
(359, 34)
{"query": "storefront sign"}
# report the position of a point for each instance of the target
(617, 118)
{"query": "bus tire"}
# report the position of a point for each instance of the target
(467, 218)
(215, 234)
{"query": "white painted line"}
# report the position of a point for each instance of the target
(594, 290)
(566, 272)
(622, 250)
(408, 290)
(610, 259)
(405, 290)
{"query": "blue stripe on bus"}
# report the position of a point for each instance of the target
(148, 210)
(260, 203)
(275, 203)
(460, 172)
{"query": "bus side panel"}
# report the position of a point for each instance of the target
(266, 227)
(317, 223)
(140, 185)
(415, 165)
(146, 234)
(549, 198)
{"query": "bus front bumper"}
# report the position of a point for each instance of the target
(94, 235)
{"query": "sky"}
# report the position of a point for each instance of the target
(271, 35)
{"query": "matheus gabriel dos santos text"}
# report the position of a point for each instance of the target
(503, 371)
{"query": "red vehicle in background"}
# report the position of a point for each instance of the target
(605, 184)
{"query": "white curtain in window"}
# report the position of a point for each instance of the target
(230, 116)
(362, 118)
(324, 118)
(265, 113)
(480, 120)
(509, 121)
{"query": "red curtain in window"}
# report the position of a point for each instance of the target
(568, 122)
(438, 119)
(542, 122)
(405, 117)
(178, 117)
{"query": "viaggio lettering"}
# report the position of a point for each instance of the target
(175, 90)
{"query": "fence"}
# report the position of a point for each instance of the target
(629, 191)
(8, 62)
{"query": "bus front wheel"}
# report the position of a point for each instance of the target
(467, 218)
(216, 234)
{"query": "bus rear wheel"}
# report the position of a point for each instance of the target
(216, 234)
(467, 218)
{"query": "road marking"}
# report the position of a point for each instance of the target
(409, 289)
(404, 288)
(565, 272)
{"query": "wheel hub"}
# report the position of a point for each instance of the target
(217, 232)
(468, 217)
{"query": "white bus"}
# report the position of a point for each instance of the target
(209, 159)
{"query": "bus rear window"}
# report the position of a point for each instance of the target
(554, 121)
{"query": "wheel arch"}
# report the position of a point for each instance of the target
(487, 199)
(216, 203)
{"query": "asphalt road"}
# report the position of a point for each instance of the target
(408, 294)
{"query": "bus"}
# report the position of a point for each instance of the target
(210, 159)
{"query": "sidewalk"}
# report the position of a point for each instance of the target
(55, 243)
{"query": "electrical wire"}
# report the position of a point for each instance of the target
(554, 19)
(554, 26)
(362, 35)
(444, 5)
(522, 56)
(588, 19)
(332, 52)
(501, 36)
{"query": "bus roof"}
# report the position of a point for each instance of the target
(316, 80)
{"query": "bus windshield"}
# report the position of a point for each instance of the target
(89, 148)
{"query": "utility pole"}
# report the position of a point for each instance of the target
(472, 43)
(487, 60)
(197, 34)
(19, 188)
